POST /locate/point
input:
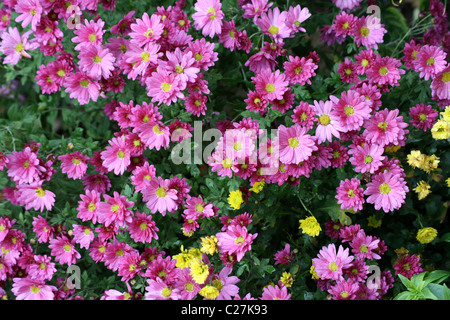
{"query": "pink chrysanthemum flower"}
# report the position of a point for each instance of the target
(164, 87)
(42, 229)
(367, 158)
(44, 79)
(42, 268)
(83, 235)
(284, 256)
(328, 124)
(295, 144)
(410, 54)
(29, 289)
(142, 176)
(440, 86)
(123, 27)
(408, 266)
(82, 87)
(372, 94)
(115, 210)
(129, 266)
(343, 23)
(203, 52)
(15, 46)
(273, 24)
(385, 70)
(154, 135)
(229, 35)
(330, 264)
(364, 60)
(159, 290)
(255, 8)
(90, 33)
(348, 233)
(368, 32)
(142, 228)
(116, 156)
(159, 197)
(347, 4)
(34, 196)
(261, 61)
(96, 182)
(386, 191)
(74, 164)
(146, 30)
(226, 285)
(295, 17)
(348, 71)
(236, 240)
(88, 205)
(344, 290)
(208, 17)
(352, 109)
(23, 166)
(196, 103)
(274, 292)
(385, 127)
(96, 61)
(63, 250)
(182, 65)
(197, 208)
(350, 195)
(423, 116)
(30, 12)
(163, 268)
(365, 247)
(186, 285)
(271, 85)
(304, 115)
(299, 70)
(430, 61)
(114, 253)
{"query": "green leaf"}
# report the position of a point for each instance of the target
(437, 276)
(407, 283)
(406, 295)
(434, 291)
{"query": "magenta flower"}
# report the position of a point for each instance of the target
(440, 86)
(23, 166)
(386, 191)
(236, 240)
(116, 156)
(208, 17)
(350, 195)
(129, 266)
(159, 197)
(142, 228)
(90, 33)
(29, 289)
(352, 109)
(34, 196)
(344, 290)
(42, 229)
(430, 61)
(164, 87)
(295, 17)
(116, 210)
(74, 164)
(365, 247)
(96, 61)
(423, 116)
(227, 284)
(385, 70)
(274, 292)
(42, 268)
(154, 135)
(368, 32)
(30, 12)
(343, 23)
(367, 158)
(284, 256)
(181, 64)
(273, 24)
(15, 46)
(83, 235)
(82, 87)
(385, 127)
(146, 30)
(328, 124)
(299, 70)
(330, 264)
(88, 205)
(63, 250)
(295, 144)
(271, 85)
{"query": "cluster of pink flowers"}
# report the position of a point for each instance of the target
(344, 271)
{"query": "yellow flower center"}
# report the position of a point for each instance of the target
(368, 159)
(212, 11)
(218, 284)
(293, 142)
(199, 207)
(91, 207)
(349, 110)
(227, 163)
(385, 188)
(446, 77)
(383, 125)
(19, 47)
(26, 164)
(76, 161)
(161, 192)
(33, 12)
(364, 32)
(61, 73)
(431, 61)
(157, 130)
(333, 266)
(422, 117)
(363, 248)
(237, 146)
(149, 33)
(143, 226)
(67, 248)
(34, 289)
(351, 193)
(383, 71)
(40, 192)
(198, 57)
(345, 26)
(274, 30)
(189, 286)
(298, 70)
(121, 154)
(84, 83)
(179, 69)
(239, 240)
(115, 208)
(270, 87)
(166, 87)
(364, 62)
(92, 37)
(166, 292)
(324, 119)
(97, 59)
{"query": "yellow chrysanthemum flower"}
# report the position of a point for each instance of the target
(287, 279)
(199, 271)
(423, 189)
(446, 114)
(258, 186)
(313, 272)
(448, 182)
(441, 130)
(235, 199)
(430, 163)
(415, 158)
(310, 226)
(209, 292)
(209, 245)
(426, 235)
